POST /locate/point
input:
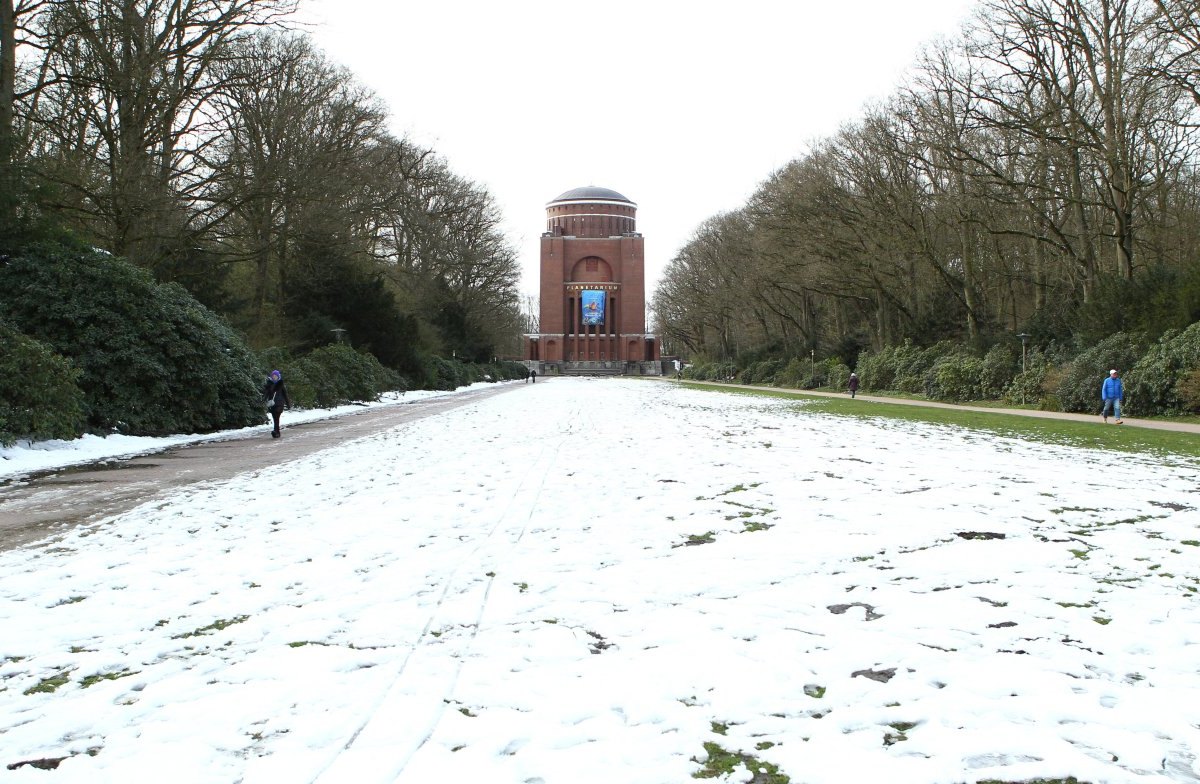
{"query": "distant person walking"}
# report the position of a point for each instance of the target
(276, 397)
(1112, 392)
(532, 376)
(853, 384)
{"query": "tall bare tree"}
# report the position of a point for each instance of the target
(131, 111)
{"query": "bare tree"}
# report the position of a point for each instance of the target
(15, 31)
(295, 146)
(135, 83)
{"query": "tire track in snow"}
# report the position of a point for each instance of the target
(403, 719)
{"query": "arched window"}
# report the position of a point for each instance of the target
(592, 269)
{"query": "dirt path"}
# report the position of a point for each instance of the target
(1152, 424)
(34, 508)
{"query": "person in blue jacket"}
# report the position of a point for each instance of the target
(1112, 393)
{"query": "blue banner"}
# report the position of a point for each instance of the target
(593, 307)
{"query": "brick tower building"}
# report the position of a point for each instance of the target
(593, 288)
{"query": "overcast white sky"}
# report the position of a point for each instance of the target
(684, 107)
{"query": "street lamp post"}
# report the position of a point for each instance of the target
(1024, 342)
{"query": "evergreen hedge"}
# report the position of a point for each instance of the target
(1079, 387)
(336, 375)
(152, 359)
(1161, 381)
(39, 397)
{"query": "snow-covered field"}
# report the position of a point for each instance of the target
(606, 580)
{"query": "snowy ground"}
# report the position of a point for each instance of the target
(505, 593)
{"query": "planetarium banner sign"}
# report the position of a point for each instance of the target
(593, 307)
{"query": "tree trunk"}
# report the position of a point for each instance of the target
(8, 75)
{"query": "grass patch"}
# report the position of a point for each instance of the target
(722, 763)
(1093, 435)
(92, 680)
(708, 537)
(215, 626)
(51, 684)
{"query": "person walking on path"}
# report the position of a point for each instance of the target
(1112, 392)
(533, 376)
(853, 384)
(276, 397)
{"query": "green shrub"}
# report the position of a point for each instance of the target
(1079, 388)
(834, 373)
(1188, 389)
(39, 398)
(709, 371)
(507, 370)
(1152, 386)
(955, 377)
(336, 375)
(446, 374)
(905, 367)
(1000, 366)
(793, 374)
(762, 373)
(876, 370)
(152, 359)
(1028, 386)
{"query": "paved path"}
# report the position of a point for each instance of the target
(1153, 424)
(34, 508)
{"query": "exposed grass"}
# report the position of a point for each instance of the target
(215, 626)
(51, 684)
(721, 763)
(92, 680)
(1093, 435)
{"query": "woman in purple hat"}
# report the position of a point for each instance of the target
(276, 397)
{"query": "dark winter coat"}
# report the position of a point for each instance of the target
(275, 390)
(854, 383)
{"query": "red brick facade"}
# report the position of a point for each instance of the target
(591, 244)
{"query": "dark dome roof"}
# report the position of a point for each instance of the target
(591, 192)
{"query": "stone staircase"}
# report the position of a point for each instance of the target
(592, 369)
